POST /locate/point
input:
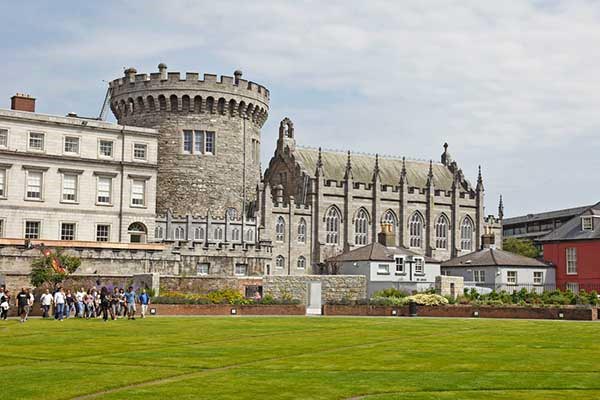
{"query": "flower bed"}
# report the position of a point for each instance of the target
(581, 313)
(226, 309)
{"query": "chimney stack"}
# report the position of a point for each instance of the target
(488, 240)
(22, 102)
(386, 236)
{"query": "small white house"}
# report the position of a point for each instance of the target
(496, 269)
(389, 266)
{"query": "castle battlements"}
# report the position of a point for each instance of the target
(226, 95)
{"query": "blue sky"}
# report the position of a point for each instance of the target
(510, 85)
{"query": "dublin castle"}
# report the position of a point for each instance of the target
(176, 187)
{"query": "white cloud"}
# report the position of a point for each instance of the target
(510, 85)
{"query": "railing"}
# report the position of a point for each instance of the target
(510, 288)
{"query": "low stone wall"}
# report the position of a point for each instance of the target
(225, 309)
(334, 288)
(206, 284)
(568, 312)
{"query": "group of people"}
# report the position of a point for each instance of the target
(86, 304)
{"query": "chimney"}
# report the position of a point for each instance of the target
(488, 240)
(22, 102)
(386, 236)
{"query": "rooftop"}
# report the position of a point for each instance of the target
(572, 230)
(567, 212)
(493, 257)
(377, 252)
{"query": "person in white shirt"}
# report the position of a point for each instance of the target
(59, 304)
(79, 296)
(46, 300)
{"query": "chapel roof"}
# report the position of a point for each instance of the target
(334, 167)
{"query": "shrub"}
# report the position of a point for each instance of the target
(390, 292)
(426, 299)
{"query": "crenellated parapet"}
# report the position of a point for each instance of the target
(138, 94)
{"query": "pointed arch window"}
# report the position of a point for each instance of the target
(218, 233)
(466, 234)
(361, 227)
(158, 232)
(279, 262)
(250, 235)
(280, 230)
(235, 234)
(301, 262)
(332, 226)
(415, 230)
(199, 233)
(179, 233)
(441, 232)
(302, 231)
(390, 218)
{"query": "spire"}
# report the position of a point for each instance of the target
(479, 187)
(376, 168)
(430, 174)
(500, 209)
(403, 178)
(348, 173)
(319, 170)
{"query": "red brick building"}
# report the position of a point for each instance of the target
(574, 248)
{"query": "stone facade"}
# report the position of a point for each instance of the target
(56, 182)
(349, 196)
(335, 288)
(449, 285)
(200, 179)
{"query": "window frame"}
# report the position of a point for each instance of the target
(97, 236)
(110, 190)
(39, 228)
(383, 269)
(280, 260)
(538, 280)
(28, 172)
(361, 228)
(419, 266)
(4, 187)
(399, 262)
(2, 130)
(131, 193)
(43, 147)
(571, 260)
(199, 142)
(2, 227)
(112, 148)
(415, 230)
(133, 150)
(280, 230)
(333, 221)
(301, 263)
(509, 278)
(587, 223)
(479, 276)
(442, 225)
(467, 228)
(78, 152)
(61, 230)
(301, 231)
(240, 265)
(76, 188)
(200, 265)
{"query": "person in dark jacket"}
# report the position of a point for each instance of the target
(104, 303)
(23, 304)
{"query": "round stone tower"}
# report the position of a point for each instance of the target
(209, 145)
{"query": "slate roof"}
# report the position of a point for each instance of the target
(571, 230)
(494, 257)
(377, 252)
(334, 167)
(544, 215)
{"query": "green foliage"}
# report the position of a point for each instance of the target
(225, 296)
(521, 246)
(530, 298)
(425, 299)
(390, 292)
(43, 273)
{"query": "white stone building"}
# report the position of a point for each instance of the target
(75, 179)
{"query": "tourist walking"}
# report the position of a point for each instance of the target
(22, 304)
(122, 309)
(69, 304)
(59, 304)
(46, 301)
(31, 301)
(80, 304)
(4, 304)
(144, 301)
(88, 300)
(104, 302)
(130, 300)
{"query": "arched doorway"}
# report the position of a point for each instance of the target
(137, 233)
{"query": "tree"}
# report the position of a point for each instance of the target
(523, 247)
(52, 268)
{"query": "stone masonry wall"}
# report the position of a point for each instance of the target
(335, 288)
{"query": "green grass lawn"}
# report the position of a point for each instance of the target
(300, 358)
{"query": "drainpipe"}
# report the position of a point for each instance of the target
(122, 184)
